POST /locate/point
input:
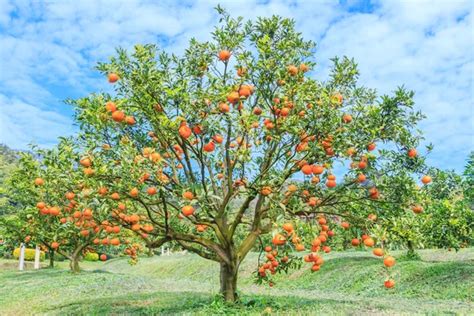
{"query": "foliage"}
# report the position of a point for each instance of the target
(8, 160)
(29, 254)
(91, 256)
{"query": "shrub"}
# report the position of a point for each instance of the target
(91, 256)
(29, 254)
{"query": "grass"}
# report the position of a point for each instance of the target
(349, 283)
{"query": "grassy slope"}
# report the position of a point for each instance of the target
(349, 282)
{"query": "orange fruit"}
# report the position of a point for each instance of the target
(389, 283)
(389, 261)
(426, 179)
(188, 195)
(288, 227)
(378, 252)
(224, 55)
(118, 116)
(113, 77)
(151, 191)
(412, 153)
(369, 242)
(187, 210)
(185, 131)
(292, 70)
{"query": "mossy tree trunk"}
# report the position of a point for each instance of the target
(228, 278)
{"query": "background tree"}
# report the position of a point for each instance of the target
(210, 149)
(54, 207)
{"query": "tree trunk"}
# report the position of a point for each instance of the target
(229, 281)
(51, 258)
(411, 250)
(74, 264)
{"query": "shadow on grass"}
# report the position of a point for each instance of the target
(169, 303)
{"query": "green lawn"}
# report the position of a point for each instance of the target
(349, 283)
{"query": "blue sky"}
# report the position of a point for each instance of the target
(48, 50)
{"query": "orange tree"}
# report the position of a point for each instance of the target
(54, 207)
(212, 147)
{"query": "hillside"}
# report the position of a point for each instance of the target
(349, 282)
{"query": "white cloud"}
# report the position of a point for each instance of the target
(22, 124)
(49, 48)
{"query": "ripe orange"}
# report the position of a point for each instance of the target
(55, 245)
(304, 68)
(113, 77)
(134, 192)
(224, 107)
(115, 241)
(224, 55)
(347, 118)
(54, 211)
(292, 188)
(209, 147)
(292, 70)
(85, 162)
(371, 146)
(102, 191)
(412, 153)
(389, 261)
(345, 225)
(70, 195)
(218, 138)
(130, 120)
(278, 240)
(187, 210)
(39, 181)
(288, 227)
(378, 252)
(299, 247)
(331, 184)
(115, 196)
(188, 195)
(40, 205)
(103, 257)
(185, 131)
(369, 242)
(257, 111)
(266, 191)
(389, 283)
(317, 169)
(245, 91)
(151, 191)
(118, 116)
(426, 179)
(111, 106)
(306, 169)
(87, 213)
(417, 209)
(361, 177)
(233, 97)
(355, 242)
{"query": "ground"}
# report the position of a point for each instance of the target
(350, 282)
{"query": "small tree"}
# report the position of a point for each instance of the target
(211, 148)
(54, 206)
